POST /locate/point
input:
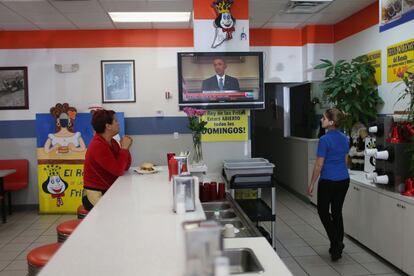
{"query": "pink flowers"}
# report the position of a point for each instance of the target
(193, 112)
(195, 123)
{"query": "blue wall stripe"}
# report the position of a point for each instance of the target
(17, 129)
(403, 19)
(156, 125)
(133, 126)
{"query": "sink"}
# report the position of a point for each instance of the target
(215, 206)
(243, 260)
(222, 215)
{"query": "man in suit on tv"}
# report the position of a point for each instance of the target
(220, 81)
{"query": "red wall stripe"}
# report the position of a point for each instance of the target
(292, 37)
(318, 34)
(203, 10)
(357, 22)
(276, 37)
(96, 38)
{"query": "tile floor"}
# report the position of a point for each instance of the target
(303, 246)
(302, 243)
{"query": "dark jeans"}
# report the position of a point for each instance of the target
(331, 194)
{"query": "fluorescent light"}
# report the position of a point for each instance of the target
(150, 16)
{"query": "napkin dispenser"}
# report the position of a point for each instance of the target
(182, 161)
(184, 193)
(203, 243)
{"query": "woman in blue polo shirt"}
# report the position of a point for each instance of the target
(333, 183)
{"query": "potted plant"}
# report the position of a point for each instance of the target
(351, 87)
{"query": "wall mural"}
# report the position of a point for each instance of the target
(63, 135)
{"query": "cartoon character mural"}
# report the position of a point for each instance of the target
(54, 184)
(65, 140)
(224, 23)
(62, 137)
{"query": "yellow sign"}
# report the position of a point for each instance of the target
(400, 57)
(60, 187)
(225, 125)
(375, 59)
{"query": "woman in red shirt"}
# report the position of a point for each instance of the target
(105, 159)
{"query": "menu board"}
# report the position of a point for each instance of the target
(400, 58)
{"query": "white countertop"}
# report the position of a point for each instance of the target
(133, 231)
(358, 177)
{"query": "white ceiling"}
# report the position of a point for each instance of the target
(93, 14)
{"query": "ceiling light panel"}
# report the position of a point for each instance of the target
(150, 16)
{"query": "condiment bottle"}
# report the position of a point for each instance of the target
(173, 164)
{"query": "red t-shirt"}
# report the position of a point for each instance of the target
(104, 163)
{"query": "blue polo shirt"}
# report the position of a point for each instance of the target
(333, 146)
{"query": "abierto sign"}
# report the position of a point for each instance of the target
(225, 125)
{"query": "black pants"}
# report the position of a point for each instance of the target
(331, 194)
(86, 203)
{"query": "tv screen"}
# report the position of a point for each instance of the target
(221, 80)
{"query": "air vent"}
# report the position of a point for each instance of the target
(304, 7)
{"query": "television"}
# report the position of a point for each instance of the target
(201, 83)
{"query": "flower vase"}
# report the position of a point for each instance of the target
(198, 151)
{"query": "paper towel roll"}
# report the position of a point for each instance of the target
(382, 155)
(371, 176)
(382, 179)
(370, 152)
(373, 129)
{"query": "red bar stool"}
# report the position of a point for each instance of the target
(66, 228)
(81, 212)
(38, 257)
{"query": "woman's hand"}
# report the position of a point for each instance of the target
(126, 142)
(310, 189)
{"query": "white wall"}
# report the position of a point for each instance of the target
(156, 72)
(370, 40)
(282, 63)
(313, 53)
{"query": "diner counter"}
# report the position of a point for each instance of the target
(358, 177)
(133, 231)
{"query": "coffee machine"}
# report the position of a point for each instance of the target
(391, 156)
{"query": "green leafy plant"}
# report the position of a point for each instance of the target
(351, 87)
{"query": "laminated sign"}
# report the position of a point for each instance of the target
(375, 59)
(225, 125)
(400, 58)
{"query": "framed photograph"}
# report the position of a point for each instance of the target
(14, 88)
(118, 81)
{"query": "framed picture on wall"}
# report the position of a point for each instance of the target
(14, 88)
(118, 81)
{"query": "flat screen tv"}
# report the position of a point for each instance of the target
(221, 80)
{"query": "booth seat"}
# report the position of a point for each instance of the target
(13, 182)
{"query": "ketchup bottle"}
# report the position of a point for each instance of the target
(173, 164)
